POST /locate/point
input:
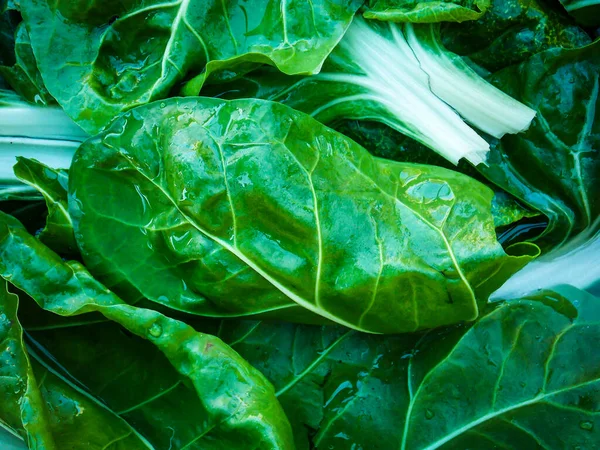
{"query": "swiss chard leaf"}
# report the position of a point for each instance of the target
(231, 392)
(510, 32)
(554, 166)
(22, 409)
(249, 207)
(100, 58)
(425, 11)
(524, 376)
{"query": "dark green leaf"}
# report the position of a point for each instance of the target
(555, 165)
(510, 32)
(22, 409)
(525, 376)
(99, 58)
(231, 392)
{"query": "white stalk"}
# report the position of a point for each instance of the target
(452, 80)
(43, 133)
(393, 75)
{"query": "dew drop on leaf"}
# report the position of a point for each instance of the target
(155, 330)
(586, 425)
(429, 414)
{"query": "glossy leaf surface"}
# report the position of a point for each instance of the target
(231, 392)
(249, 207)
(100, 58)
(524, 376)
(22, 409)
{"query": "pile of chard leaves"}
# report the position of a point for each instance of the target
(289, 224)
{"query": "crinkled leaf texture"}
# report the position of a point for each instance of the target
(425, 11)
(233, 208)
(101, 57)
(524, 376)
(235, 403)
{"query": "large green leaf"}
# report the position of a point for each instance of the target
(426, 11)
(555, 165)
(526, 376)
(511, 31)
(249, 207)
(101, 57)
(231, 392)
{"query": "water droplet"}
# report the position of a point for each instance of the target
(429, 414)
(155, 330)
(522, 384)
(586, 425)
(163, 104)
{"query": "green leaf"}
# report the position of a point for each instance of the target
(58, 233)
(100, 58)
(525, 376)
(425, 11)
(553, 167)
(249, 207)
(231, 392)
(22, 409)
(129, 374)
(510, 32)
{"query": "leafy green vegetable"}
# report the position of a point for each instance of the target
(524, 376)
(441, 299)
(22, 409)
(401, 77)
(426, 11)
(249, 207)
(100, 58)
(510, 32)
(231, 392)
(554, 166)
